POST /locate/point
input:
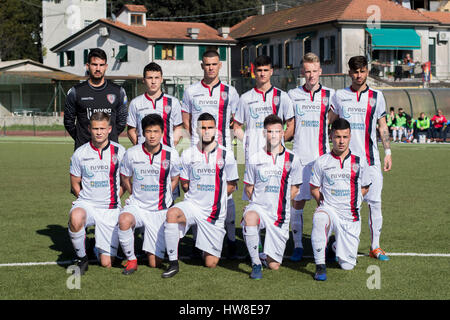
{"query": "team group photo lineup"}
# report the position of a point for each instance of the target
(334, 161)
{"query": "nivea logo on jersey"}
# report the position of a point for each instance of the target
(309, 123)
(340, 176)
(149, 172)
(91, 111)
(356, 110)
(208, 102)
(357, 126)
(265, 174)
(340, 193)
(306, 108)
(199, 172)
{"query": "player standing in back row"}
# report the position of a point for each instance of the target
(258, 103)
(154, 101)
(219, 99)
(312, 108)
(364, 108)
(95, 95)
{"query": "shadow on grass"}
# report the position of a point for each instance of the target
(60, 243)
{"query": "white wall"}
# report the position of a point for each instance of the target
(140, 53)
(353, 44)
(61, 20)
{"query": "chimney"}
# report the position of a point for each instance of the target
(193, 32)
(224, 32)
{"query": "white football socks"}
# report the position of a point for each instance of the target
(126, 239)
(251, 237)
(297, 226)
(319, 236)
(172, 236)
(78, 242)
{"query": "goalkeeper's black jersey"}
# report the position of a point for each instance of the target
(83, 100)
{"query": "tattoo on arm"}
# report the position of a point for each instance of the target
(385, 138)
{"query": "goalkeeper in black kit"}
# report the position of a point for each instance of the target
(95, 95)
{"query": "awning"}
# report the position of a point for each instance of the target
(394, 39)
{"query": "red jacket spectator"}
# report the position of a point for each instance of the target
(439, 120)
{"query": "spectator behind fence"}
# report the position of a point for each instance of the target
(438, 122)
(422, 127)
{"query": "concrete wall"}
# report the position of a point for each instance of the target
(353, 44)
(29, 120)
(63, 18)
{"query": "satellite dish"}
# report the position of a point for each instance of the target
(72, 17)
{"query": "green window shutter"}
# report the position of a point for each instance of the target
(122, 56)
(201, 51)
(180, 52)
(85, 56)
(223, 53)
(158, 52)
(61, 59)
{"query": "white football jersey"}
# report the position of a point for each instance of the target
(99, 172)
(254, 106)
(272, 177)
(208, 174)
(362, 110)
(340, 183)
(220, 101)
(152, 176)
(166, 106)
(311, 127)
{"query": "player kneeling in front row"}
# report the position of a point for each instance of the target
(95, 181)
(208, 175)
(272, 178)
(149, 172)
(339, 181)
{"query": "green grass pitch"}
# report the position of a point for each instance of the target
(35, 200)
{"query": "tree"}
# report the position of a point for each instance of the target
(216, 13)
(19, 29)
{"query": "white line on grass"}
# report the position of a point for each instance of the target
(68, 262)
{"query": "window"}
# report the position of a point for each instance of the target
(122, 55)
(287, 55)
(327, 49)
(280, 56)
(67, 59)
(271, 52)
(308, 45)
(136, 19)
(169, 52)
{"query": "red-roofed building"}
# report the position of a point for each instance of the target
(382, 30)
(132, 41)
